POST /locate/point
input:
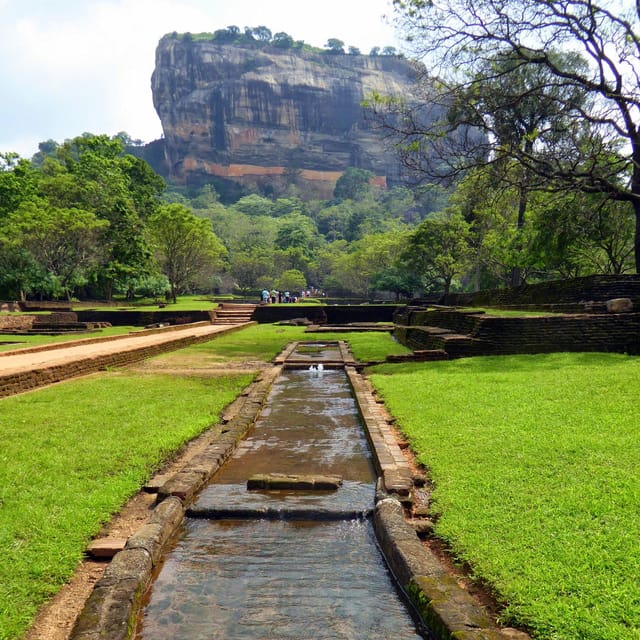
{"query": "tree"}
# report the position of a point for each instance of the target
(397, 280)
(185, 246)
(62, 242)
(291, 280)
(354, 51)
(18, 182)
(262, 33)
(282, 40)
(439, 249)
(92, 173)
(334, 45)
(20, 274)
(297, 231)
(353, 184)
(461, 36)
(354, 269)
(254, 205)
(581, 234)
(248, 269)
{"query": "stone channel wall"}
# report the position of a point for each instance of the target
(110, 612)
(447, 609)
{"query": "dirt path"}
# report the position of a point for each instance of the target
(14, 362)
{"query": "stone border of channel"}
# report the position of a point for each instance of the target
(447, 610)
(111, 610)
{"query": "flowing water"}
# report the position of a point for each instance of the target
(284, 564)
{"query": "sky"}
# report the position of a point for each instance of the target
(73, 66)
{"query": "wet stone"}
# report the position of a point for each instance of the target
(279, 481)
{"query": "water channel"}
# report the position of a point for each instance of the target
(284, 564)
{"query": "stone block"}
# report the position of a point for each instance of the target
(106, 548)
(620, 305)
(448, 608)
(184, 485)
(281, 481)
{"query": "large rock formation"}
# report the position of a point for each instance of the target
(266, 117)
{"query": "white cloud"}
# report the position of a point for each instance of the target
(73, 66)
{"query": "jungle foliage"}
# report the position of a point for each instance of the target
(84, 219)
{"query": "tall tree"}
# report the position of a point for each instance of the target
(460, 37)
(353, 184)
(18, 182)
(94, 174)
(185, 245)
(439, 250)
(334, 45)
(63, 242)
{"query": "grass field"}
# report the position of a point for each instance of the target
(535, 460)
(73, 453)
(265, 341)
(536, 465)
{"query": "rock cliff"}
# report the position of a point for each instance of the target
(265, 117)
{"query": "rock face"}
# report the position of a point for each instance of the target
(266, 117)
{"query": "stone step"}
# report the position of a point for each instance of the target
(420, 355)
(282, 481)
(230, 313)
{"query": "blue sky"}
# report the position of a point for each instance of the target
(74, 66)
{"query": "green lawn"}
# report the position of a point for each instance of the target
(265, 341)
(183, 303)
(71, 455)
(535, 461)
(536, 464)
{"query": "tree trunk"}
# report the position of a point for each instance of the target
(636, 240)
(635, 190)
(523, 196)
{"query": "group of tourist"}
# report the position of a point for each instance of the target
(273, 296)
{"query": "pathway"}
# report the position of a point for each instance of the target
(24, 369)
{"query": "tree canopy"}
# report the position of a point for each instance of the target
(594, 84)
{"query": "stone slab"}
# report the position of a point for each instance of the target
(281, 481)
(106, 548)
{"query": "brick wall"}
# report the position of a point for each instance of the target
(574, 292)
(143, 318)
(488, 335)
(16, 323)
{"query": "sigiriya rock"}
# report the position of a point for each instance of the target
(266, 117)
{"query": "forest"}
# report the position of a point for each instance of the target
(85, 219)
(529, 172)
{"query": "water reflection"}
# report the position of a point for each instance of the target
(287, 580)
